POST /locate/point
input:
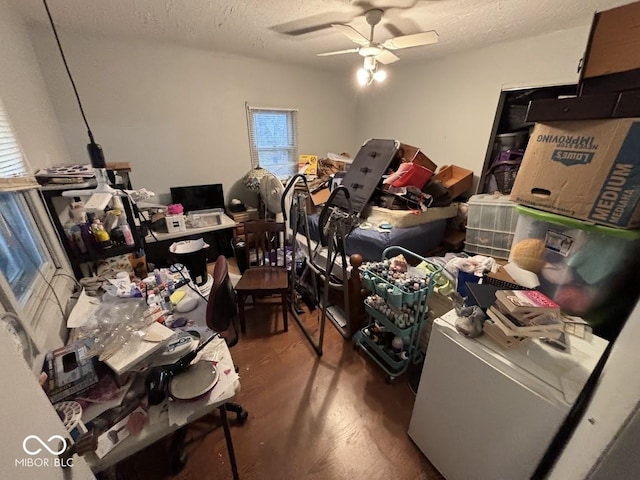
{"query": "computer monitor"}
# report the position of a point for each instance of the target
(198, 197)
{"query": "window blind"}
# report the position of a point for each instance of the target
(273, 139)
(13, 166)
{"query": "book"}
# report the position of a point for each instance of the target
(497, 335)
(540, 325)
(526, 301)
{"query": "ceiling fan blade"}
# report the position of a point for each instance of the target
(351, 33)
(415, 40)
(386, 57)
(337, 52)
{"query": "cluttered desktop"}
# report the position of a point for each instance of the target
(143, 361)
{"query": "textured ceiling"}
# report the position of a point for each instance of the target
(294, 31)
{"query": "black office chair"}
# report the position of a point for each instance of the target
(222, 312)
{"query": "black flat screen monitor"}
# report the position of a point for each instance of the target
(198, 197)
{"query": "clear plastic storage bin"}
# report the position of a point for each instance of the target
(581, 266)
(491, 223)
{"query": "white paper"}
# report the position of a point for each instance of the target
(83, 310)
(212, 352)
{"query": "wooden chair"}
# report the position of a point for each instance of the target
(266, 262)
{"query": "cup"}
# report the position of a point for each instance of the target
(139, 265)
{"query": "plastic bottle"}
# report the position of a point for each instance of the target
(103, 238)
(151, 299)
(167, 304)
(128, 236)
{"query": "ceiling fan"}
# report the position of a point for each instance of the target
(374, 52)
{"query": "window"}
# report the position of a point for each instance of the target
(273, 139)
(22, 252)
(11, 160)
(31, 280)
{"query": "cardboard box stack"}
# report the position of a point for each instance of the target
(581, 174)
(589, 170)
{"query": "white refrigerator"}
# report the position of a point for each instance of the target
(482, 412)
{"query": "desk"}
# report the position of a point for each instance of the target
(225, 223)
(217, 236)
(188, 412)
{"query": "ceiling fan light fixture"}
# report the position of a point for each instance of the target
(364, 77)
(369, 64)
(380, 75)
(370, 51)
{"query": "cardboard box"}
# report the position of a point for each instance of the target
(248, 215)
(456, 179)
(614, 43)
(589, 170)
(413, 154)
(308, 164)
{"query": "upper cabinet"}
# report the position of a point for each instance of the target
(510, 134)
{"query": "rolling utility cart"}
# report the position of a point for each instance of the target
(397, 308)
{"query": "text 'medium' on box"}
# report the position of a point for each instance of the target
(587, 169)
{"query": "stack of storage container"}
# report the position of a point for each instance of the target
(491, 224)
(582, 179)
(579, 183)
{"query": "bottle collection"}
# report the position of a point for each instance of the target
(404, 317)
(396, 292)
(395, 347)
(395, 272)
(397, 309)
(156, 288)
(88, 232)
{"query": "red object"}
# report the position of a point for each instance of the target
(409, 175)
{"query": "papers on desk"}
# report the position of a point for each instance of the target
(98, 406)
(116, 434)
(180, 413)
(83, 310)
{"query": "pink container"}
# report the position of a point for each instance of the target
(175, 209)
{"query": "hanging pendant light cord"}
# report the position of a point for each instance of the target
(66, 66)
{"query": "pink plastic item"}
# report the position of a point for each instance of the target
(175, 209)
(409, 174)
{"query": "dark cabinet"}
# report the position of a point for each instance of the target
(510, 134)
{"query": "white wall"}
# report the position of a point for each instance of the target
(25, 96)
(447, 106)
(178, 114)
(604, 444)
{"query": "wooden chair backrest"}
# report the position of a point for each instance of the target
(265, 241)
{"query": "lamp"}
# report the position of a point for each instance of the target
(251, 180)
(370, 72)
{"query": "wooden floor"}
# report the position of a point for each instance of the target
(309, 417)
